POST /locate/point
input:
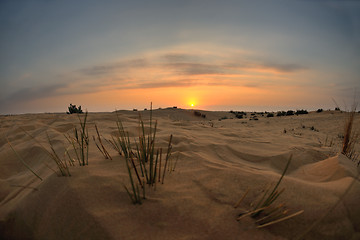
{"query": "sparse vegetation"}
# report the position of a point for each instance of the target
(350, 136)
(302, 111)
(60, 161)
(74, 109)
(314, 129)
(239, 115)
(289, 113)
(80, 142)
(100, 145)
(199, 114)
(281, 113)
(264, 212)
(144, 161)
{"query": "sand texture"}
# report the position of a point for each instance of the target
(218, 161)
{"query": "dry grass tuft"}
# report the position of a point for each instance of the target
(143, 160)
(100, 145)
(80, 142)
(350, 135)
(60, 161)
(264, 212)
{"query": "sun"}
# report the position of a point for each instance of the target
(192, 102)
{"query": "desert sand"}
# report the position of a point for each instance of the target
(220, 157)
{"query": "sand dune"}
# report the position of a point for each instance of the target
(220, 157)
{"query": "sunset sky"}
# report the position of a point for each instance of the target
(218, 55)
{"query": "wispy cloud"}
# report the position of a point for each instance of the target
(179, 57)
(26, 94)
(175, 69)
(29, 94)
(284, 68)
(195, 68)
(112, 67)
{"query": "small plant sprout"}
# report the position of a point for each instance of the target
(264, 211)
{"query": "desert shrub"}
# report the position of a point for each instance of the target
(270, 115)
(337, 109)
(313, 129)
(298, 112)
(281, 113)
(289, 113)
(319, 110)
(239, 115)
(74, 109)
(199, 114)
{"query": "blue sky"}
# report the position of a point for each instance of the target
(222, 55)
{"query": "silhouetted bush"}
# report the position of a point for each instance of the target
(319, 110)
(239, 115)
(298, 112)
(290, 113)
(199, 114)
(270, 115)
(74, 109)
(280, 113)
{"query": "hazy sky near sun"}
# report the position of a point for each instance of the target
(240, 55)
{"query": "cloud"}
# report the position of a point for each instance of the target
(165, 84)
(113, 67)
(196, 68)
(264, 65)
(179, 57)
(172, 65)
(26, 94)
(284, 68)
(29, 94)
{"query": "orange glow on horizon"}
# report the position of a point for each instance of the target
(199, 97)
